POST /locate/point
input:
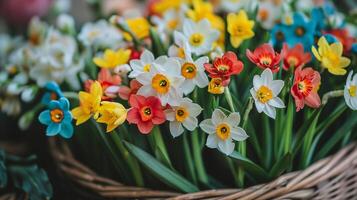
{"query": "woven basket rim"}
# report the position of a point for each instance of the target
(298, 184)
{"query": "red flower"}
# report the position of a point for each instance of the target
(135, 54)
(304, 90)
(344, 37)
(294, 57)
(145, 112)
(264, 57)
(110, 84)
(125, 92)
(224, 67)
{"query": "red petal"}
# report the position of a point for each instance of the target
(145, 127)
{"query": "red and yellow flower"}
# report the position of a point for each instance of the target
(294, 57)
(110, 84)
(224, 67)
(306, 84)
(264, 57)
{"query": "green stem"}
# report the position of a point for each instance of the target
(229, 99)
(268, 142)
(158, 146)
(197, 157)
(331, 94)
(289, 127)
(189, 159)
(133, 164)
(70, 95)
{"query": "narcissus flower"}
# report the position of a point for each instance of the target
(111, 113)
(265, 93)
(183, 115)
(306, 84)
(53, 92)
(331, 57)
(125, 92)
(112, 59)
(145, 113)
(58, 118)
(200, 36)
(110, 84)
(215, 86)
(222, 130)
(143, 65)
(294, 57)
(264, 57)
(181, 46)
(89, 104)
(194, 73)
(350, 91)
(239, 27)
(224, 67)
(163, 81)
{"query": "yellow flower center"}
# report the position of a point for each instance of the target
(172, 24)
(188, 70)
(263, 14)
(145, 113)
(292, 60)
(265, 60)
(238, 30)
(223, 131)
(215, 86)
(353, 90)
(196, 39)
(181, 53)
(56, 115)
(181, 114)
(300, 31)
(160, 83)
(147, 68)
(223, 68)
(12, 70)
(264, 94)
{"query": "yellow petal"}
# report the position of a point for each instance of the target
(344, 62)
(337, 48)
(316, 53)
(100, 62)
(80, 116)
(236, 41)
(337, 71)
(96, 89)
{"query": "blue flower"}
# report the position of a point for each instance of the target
(58, 118)
(53, 92)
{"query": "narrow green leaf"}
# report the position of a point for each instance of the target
(249, 166)
(280, 166)
(161, 171)
(157, 45)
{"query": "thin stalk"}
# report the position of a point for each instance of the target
(197, 157)
(268, 142)
(189, 159)
(158, 146)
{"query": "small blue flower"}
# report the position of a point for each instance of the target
(53, 92)
(58, 118)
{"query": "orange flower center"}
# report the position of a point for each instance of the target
(181, 53)
(56, 115)
(300, 31)
(223, 131)
(293, 61)
(145, 113)
(263, 14)
(305, 87)
(264, 94)
(172, 24)
(181, 114)
(265, 60)
(188, 70)
(160, 83)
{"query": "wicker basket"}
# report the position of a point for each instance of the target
(334, 177)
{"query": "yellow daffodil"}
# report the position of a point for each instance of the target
(204, 10)
(139, 26)
(330, 56)
(162, 6)
(239, 27)
(112, 59)
(113, 114)
(89, 104)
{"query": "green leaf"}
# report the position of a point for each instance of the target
(3, 175)
(249, 166)
(161, 171)
(280, 166)
(157, 45)
(32, 180)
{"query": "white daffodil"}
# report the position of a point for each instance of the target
(200, 36)
(143, 65)
(265, 91)
(100, 35)
(163, 81)
(350, 91)
(194, 73)
(181, 46)
(222, 130)
(183, 115)
(170, 21)
(268, 13)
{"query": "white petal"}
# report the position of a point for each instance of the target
(147, 57)
(201, 79)
(269, 110)
(276, 102)
(170, 114)
(233, 119)
(190, 123)
(226, 146)
(238, 134)
(200, 62)
(259, 106)
(146, 91)
(276, 86)
(187, 86)
(207, 126)
(257, 82)
(218, 116)
(176, 128)
(144, 78)
(212, 141)
(267, 77)
(194, 109)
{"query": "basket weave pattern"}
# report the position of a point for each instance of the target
(334, 177)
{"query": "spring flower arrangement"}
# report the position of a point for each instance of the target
(192, 94)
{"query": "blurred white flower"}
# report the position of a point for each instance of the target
(350, 91)
(65, 23)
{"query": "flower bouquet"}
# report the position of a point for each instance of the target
(191, 95)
